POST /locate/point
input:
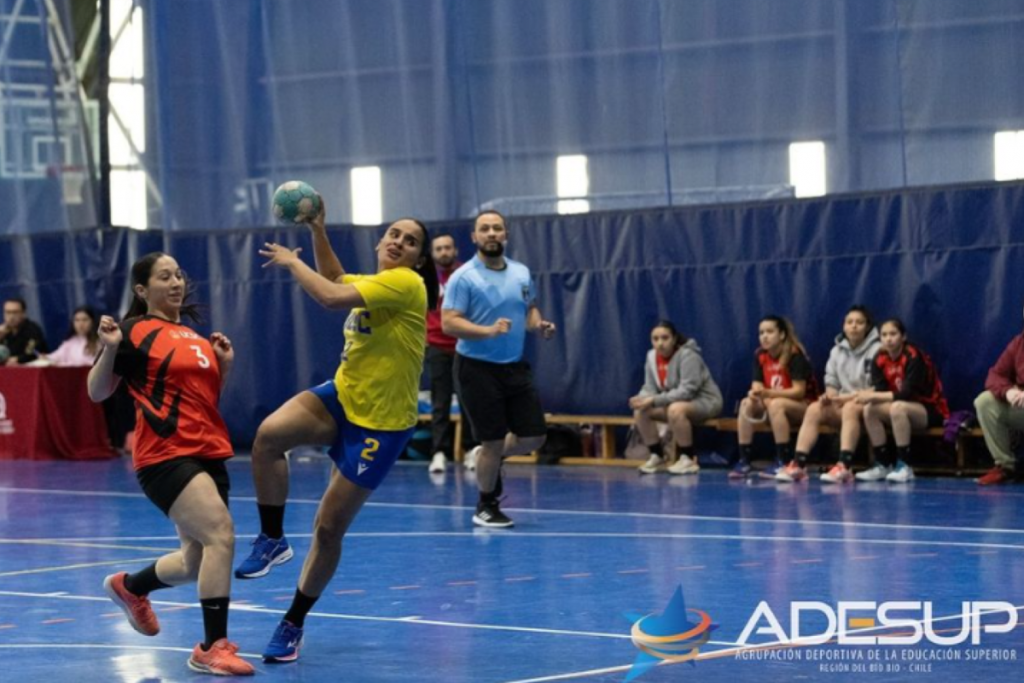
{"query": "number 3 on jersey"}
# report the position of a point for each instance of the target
(204, 362)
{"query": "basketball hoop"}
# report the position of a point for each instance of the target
(72, 181)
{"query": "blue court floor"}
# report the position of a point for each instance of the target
(422, 595)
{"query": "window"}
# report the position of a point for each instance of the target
(367, 200)
(1009, 155)
(573, 180)
(807, 168)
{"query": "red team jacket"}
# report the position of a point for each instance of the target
(910, 377)
(769, 372)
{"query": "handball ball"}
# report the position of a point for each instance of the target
(296, 202)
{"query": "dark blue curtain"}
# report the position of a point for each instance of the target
(946, 260)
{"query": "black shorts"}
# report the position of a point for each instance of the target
(935, 418)
(499, 398)
(163, 482)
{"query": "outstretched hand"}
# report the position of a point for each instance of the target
(547, 329)
(279, 255)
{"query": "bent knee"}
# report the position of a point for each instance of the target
(529, 444)
(985, 401)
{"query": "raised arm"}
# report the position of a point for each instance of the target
(102, 380)
(327, 293)
(327, 263)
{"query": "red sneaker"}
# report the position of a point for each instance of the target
(138, 609)
(996, 475)
(220, 660)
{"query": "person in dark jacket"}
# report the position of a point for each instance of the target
(22, 337)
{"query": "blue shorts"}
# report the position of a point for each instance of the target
(364, 456)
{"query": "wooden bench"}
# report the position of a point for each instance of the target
(606, 425)
(731, 424)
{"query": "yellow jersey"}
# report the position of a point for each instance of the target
(378, 379)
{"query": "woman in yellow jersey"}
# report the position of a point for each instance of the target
(366, 414)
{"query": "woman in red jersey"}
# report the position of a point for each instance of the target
(907, 395)
(175, 377)
(782, 389)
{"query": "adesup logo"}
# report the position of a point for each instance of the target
(669, 636)
(849, 622)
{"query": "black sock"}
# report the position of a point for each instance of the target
(782, 452)
(301, 604)
(144, 582)
(903, 453)
(746, 453)
(846, 457)
(884, 456)
(215, 619)
(656, 449)
(272, 520)
(801, 459)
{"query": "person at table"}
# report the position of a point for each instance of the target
(23, 338)
(82, 344)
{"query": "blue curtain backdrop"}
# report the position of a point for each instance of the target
(946, 260)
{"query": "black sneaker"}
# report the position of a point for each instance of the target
(490, 515)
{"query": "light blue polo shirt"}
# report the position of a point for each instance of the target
(482, 296)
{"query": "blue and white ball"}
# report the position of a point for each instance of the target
(296, 202)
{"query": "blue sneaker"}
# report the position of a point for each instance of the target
(773, 469)
(741, 470)
(266, 553)
(284, 644)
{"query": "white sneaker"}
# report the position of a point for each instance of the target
(902, 474)
(652, 465)
(876, 473)
(471, 456)
(684, 465)
(437, 463)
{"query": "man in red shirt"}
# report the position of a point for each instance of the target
(1001, 410)
(440, 358)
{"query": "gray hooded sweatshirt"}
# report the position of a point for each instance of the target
(849, 369)
(688, 378)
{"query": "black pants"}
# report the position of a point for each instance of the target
(440, 366)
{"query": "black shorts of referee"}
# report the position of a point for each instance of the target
(499, 398)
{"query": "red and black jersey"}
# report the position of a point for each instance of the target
(771, 373)
(174, 377)
(910, 377)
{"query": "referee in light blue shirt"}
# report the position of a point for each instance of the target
(489, 306)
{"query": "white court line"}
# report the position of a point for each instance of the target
(84, 543)
(733, 648)
(43, 570)
(512, 536)
(349, 617)
(102, 646)
(590, 513)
